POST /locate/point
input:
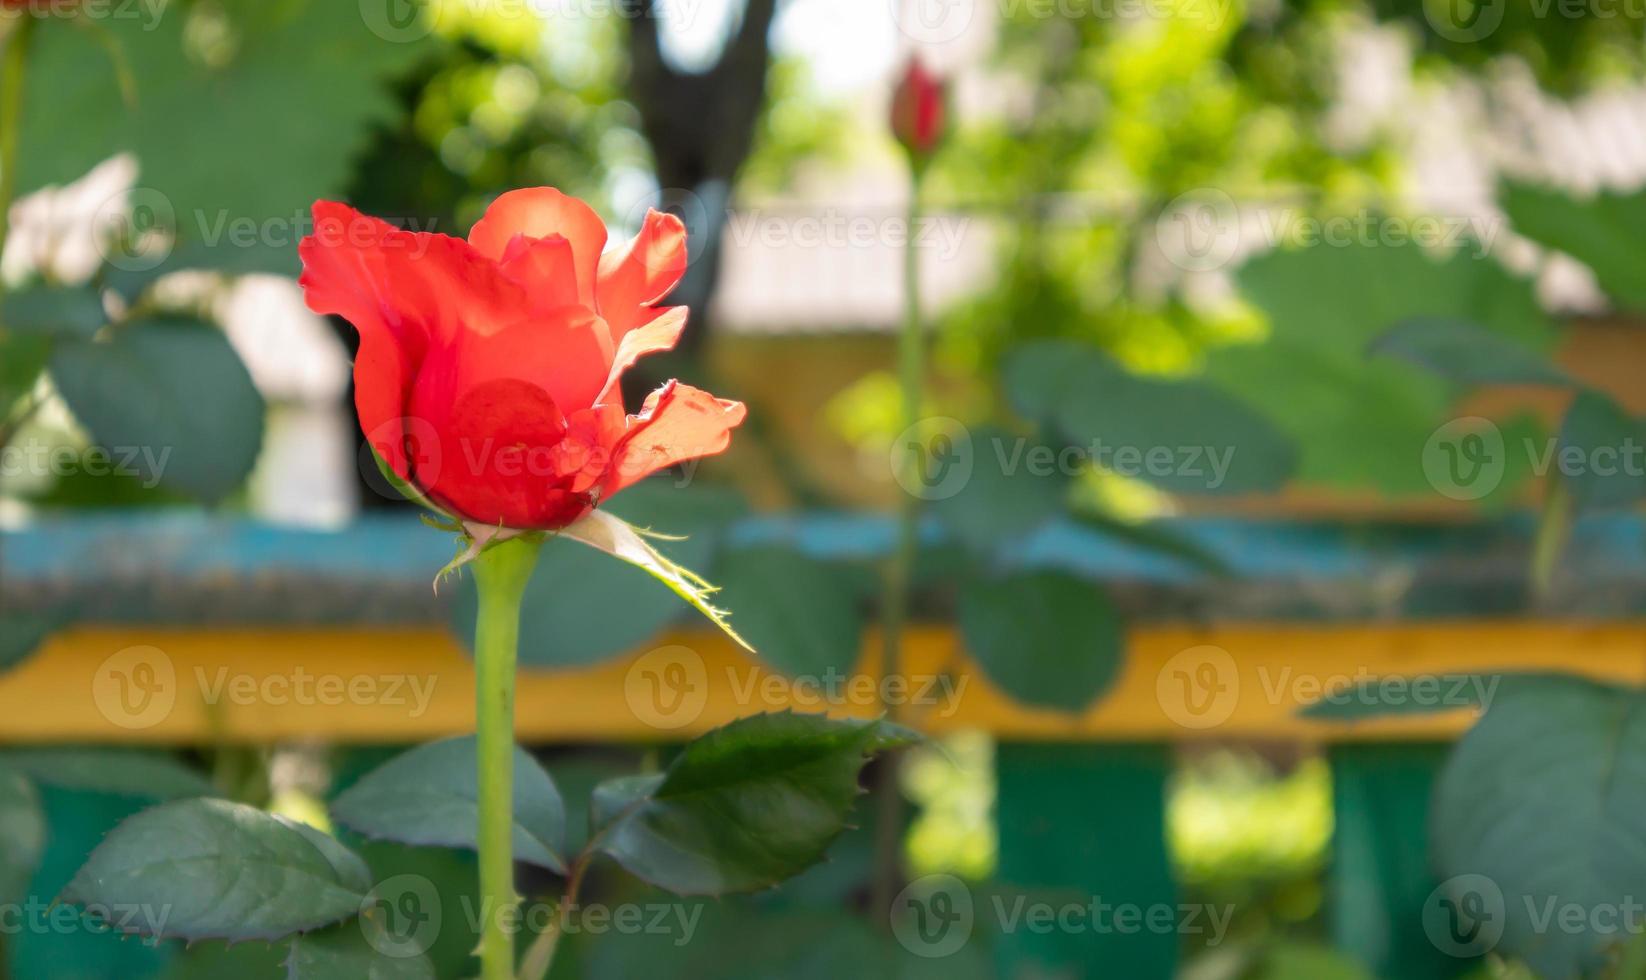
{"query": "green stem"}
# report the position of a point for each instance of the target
(911, 370)
(501, 572)
(1554, 526)
(540, 954)
(15, 60)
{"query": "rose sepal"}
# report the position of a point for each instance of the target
(620, 539)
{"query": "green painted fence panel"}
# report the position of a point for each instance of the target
(1084, 824)
(1381, 878)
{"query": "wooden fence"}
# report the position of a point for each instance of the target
(185, 625)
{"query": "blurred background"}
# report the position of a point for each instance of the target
(1280, 413)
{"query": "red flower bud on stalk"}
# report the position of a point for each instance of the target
(919, 110)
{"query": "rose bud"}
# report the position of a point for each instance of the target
(919, 110)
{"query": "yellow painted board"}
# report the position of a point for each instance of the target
(174, 685)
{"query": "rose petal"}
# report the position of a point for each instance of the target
(538, 212)
(661, 333)
(677, 423)
(403, 292)
(493, 458)
(641, 273)
(544, 268)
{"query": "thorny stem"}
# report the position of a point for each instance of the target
(501, 573)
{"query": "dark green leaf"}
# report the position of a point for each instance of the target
(211, 869)
(1466, 353)
(22, 633)
(1016, 485)
(73, 312)
(582, 606)
(1356, 421)
(1538, 812)
(294, 86)
(22, 358)
(22, 835)
(1606, 232)
(355, 950)
(613, 798)
(741, 808)
(802, 614)
(1601, 456)
(169, 397)
(1184, 436)
(125, 772)
(1046, 638)
(1385, 697)
(429, 796)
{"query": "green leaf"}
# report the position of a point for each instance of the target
(22, 633)
(211, 869)
(354, 951)
(1356, 421)
(1046, 638)
(295, 86)
(1016, 485)
(22, 835)
(1605, 231)
(741, 808)
(125, 772)
(1538, 811)
(1184, 436)
(22, 358)
(1466, 353)
(613, 799)
(1386, 697)
(1599, 454)
(803, 615)
(70, 312)
(429, 797)
(169, 397)
(581, 607)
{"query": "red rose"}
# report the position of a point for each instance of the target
(919, 109)
(488, 369)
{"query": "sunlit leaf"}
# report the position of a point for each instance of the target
(740, 808)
